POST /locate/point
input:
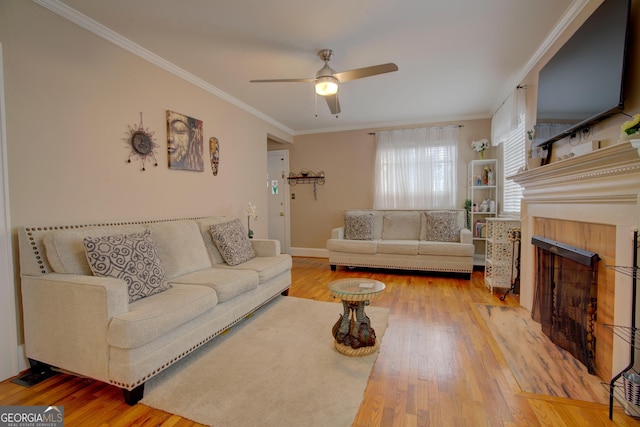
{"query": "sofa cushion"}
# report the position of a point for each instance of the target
(180, 247)
(401, 225)
(358, 226)
(353, 246)
(150, 318)
(267, 267)
(231, 239)
(445, 248)
(227, 283)
(130, 257)
(205, 231)
(65, 248)
(400, 247)
(441, 226)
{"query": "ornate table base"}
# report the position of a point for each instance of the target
(353, 333)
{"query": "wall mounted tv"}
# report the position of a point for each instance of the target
(583, 82)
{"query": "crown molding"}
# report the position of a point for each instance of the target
(111, 36)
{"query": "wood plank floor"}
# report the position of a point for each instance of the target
(438, 365)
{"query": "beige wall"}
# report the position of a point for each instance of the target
(347, 158)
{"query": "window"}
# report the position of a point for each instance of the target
(507, 128)
(514, 157)
(416, 168)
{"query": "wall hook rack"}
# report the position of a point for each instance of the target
(307, 177)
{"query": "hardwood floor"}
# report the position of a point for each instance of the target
(438, 365)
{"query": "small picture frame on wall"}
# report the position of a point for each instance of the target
(184, 142)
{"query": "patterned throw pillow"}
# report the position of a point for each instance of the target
(232, 242)
(358, 226)
(130, 257)
(442, 226)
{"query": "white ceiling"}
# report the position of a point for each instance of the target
(457, 59)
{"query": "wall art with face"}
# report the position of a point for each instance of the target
(184, 142)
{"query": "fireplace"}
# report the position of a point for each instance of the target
(593, 202)
(565, 297)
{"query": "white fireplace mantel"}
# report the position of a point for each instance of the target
(601, 187)
(609, 174)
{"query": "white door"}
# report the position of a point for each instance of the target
(277, 172)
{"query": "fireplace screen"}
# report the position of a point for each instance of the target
(565, 297)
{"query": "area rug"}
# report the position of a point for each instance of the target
(277, 368)
(539, 366)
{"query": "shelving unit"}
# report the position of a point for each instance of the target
(482, 186)
(630, 335)
(499, 255)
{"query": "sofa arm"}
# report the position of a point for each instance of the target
(66, 317)
(266, 247)
(337, 233)
(466, 236)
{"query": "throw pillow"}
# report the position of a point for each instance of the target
(442, 226)
(232, 242)
(358, 226)
(130, 257)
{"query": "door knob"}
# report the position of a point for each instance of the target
(281, 213)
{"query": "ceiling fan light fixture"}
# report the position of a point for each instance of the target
(327, 85)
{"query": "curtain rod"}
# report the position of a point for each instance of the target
(433, 127)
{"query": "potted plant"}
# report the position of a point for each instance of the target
(480, 146)
(467, 207)
(630, 129)
(251, 213)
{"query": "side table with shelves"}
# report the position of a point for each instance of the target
(500, 253)
(483, 192)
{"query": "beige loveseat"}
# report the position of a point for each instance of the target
(80, 314)
(428, 240)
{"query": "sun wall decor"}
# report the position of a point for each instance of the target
(141, 142)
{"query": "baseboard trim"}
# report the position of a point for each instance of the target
(309, 252)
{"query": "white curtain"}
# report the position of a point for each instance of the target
(416, 168)
(509, 116)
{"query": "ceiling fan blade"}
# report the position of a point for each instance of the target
(359, 73)
(333, 103)
(283, 81)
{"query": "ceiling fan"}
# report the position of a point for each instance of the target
(327, 79)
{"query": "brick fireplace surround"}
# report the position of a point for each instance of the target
(591, 202)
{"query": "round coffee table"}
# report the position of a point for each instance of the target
(353, 333)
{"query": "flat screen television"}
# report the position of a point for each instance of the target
(583, 82)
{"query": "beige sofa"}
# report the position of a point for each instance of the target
(428, 240)
(100, 327)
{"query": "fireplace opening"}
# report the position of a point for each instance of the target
(565, 297)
